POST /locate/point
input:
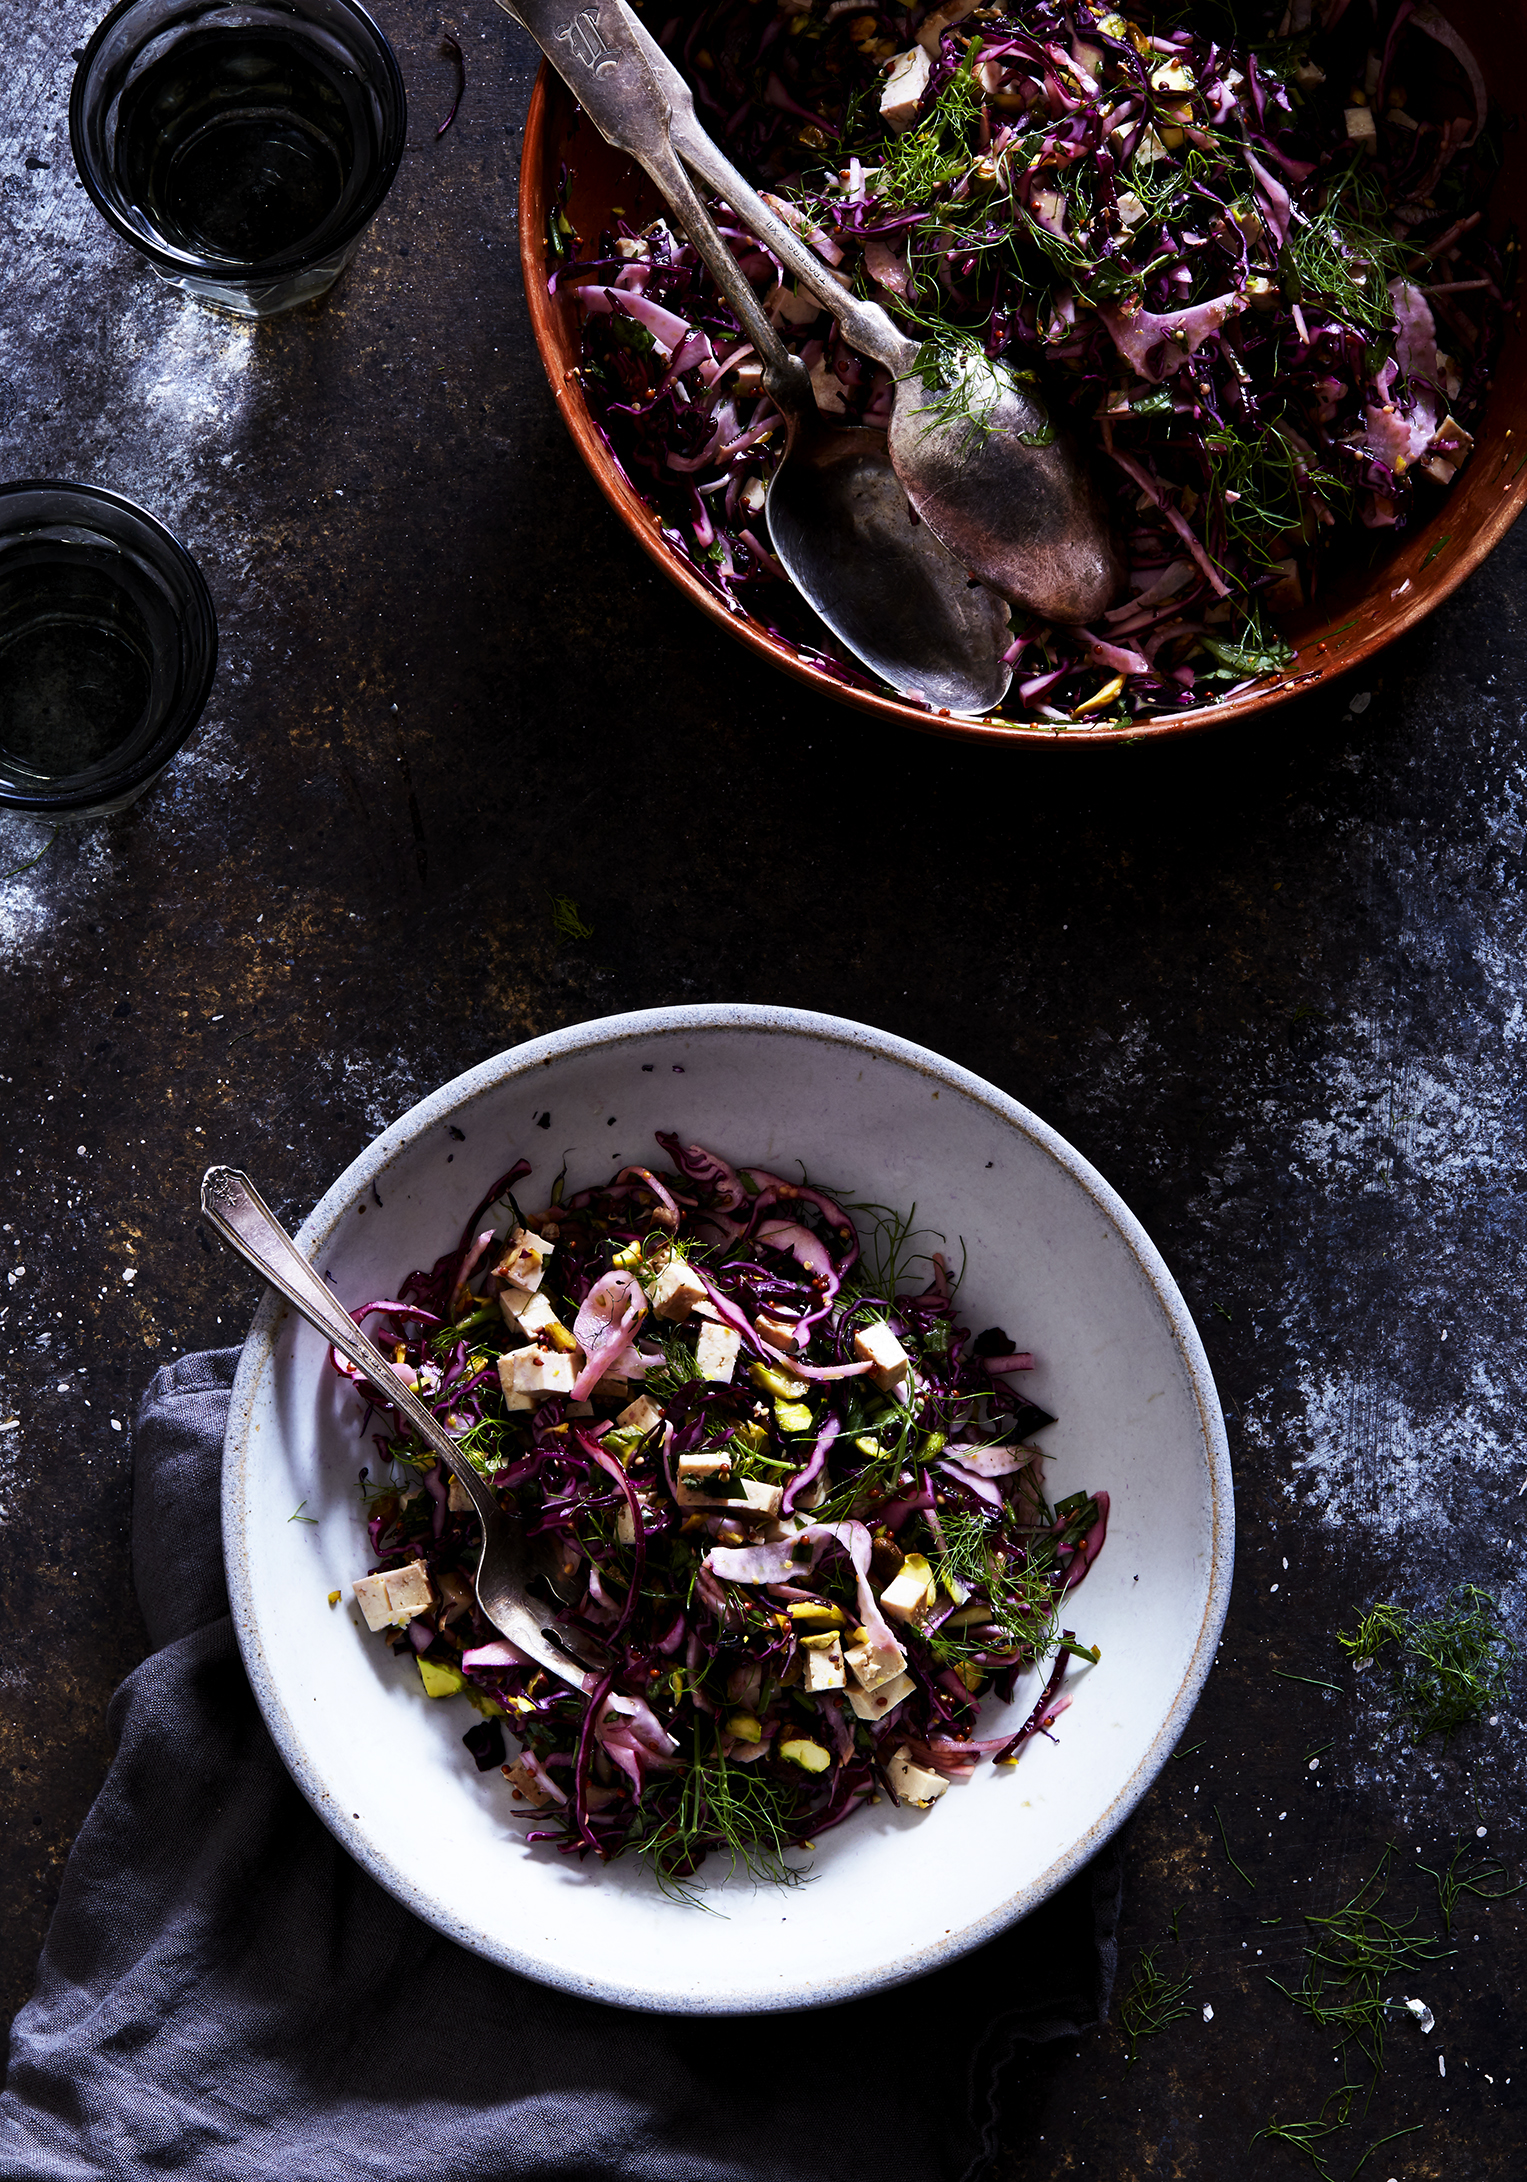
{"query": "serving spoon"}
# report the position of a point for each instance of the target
(981, 458)
(232, 1204)
(837, 512)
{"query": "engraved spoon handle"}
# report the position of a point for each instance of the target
(232, 1204)
(865, 325)
(595, 50)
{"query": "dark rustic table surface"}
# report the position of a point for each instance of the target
(1272, 982)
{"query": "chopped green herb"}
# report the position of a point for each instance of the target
(565, 920)
(1225, 1839)
(1152, 2002)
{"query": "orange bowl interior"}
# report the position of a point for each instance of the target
(1356, 617)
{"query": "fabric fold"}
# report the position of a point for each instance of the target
(224, 1994)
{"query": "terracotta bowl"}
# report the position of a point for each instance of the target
(1354, 619)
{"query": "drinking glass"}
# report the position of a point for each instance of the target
(243, 146)
(108, 646)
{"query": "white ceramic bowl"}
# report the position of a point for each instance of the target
(1054, 1256)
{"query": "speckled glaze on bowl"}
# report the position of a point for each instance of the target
(1342, 630)
(1053, 1255)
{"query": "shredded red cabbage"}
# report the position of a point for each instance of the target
(798, 1529)
(1253, 272)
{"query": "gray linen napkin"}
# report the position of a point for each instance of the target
(224, 1994)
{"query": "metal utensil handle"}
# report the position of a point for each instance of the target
(241, 1216)
(595, 51)
(868, 328)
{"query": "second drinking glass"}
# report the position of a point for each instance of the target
(242, 148)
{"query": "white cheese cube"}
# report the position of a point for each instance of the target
(906, 81)
(907, 1593)
(676, 1291)
(527, 1310)
(524, 1260)
(625, 1529)
(395, 1596)
(707, 1462)
(913, 1783)
(536, 1371)
(716, 1351)
(1361, 128)
(823, 1657)
(457, 1498)
(872, 1669)
(640, 1415)
(523, 1784)
(888, 1360)
(875, 1704)
(779, 1333)
(1129, 208)
(756, 1498)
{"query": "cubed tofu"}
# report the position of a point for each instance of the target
(780, 1333)
(394, 1597)
(1361, 128)
(706, 1462)
(870, 1668)
(823, 1662)
(875, 1704)
(523, 1263)
(913, 1783)
(1129, 208)
(755, 1499)
(532, 1315)
(457, 1498)
(716, 1352)
(910, 1590)
(676, 1291)
(537, 1371)
(905, 83)
(640, 1415)
(879, 1347)
(523, 1785)
(625, 1528)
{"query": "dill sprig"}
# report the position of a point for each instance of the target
(1356, 1953)
(566, 923)
(680, 1365)
(1454, 1663)
(1476, 1877)
(729, 1808)
(1382, 1624)
(1238, 1869)
(887, 1255)
(934, 155)
(1345, 254)
(1306, 2137)
(1152, 2002)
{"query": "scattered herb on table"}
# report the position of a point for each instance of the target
(1453, 1665)
(1153, 2001)
(1230, 1854)
(1353, 1961)
(1468, 1873)
(566, 922)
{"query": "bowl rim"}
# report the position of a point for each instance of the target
(640, 1027)
(1320, 656)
